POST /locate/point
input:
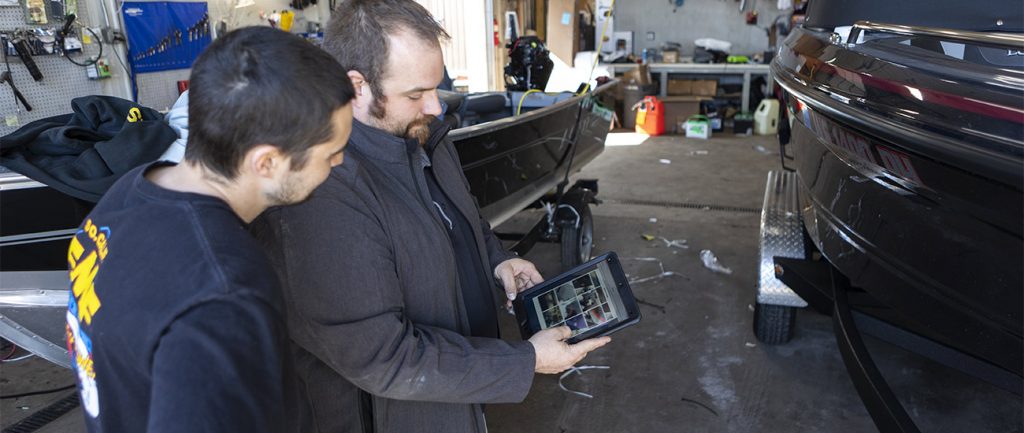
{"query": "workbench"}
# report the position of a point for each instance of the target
(713, 69)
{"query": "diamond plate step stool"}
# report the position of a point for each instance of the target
(781, 236)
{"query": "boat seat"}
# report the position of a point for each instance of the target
(453, 101)
(454, 107)
(485, 107)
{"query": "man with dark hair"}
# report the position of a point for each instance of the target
(176, 319)
(389, 270)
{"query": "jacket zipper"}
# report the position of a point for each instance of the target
(419, 192)
(366, 411)
(478, 241)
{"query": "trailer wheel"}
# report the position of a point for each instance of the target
(578, 242)
(773, 324)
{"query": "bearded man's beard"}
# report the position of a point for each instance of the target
(418, 129)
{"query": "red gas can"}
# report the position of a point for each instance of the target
(650, 116)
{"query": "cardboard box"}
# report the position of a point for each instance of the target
(692, 87)
(679, 87)
(705, 87)
(640, 76)
(678, 108)
(562, 31)
(670, 56)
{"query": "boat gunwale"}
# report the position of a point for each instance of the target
(487, 127)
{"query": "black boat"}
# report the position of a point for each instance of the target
(904, 161)
(512, 160)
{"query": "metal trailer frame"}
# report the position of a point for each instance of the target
(567, 212)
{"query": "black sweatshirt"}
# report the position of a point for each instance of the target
(176, 318)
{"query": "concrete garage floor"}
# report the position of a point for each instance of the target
(692, 364)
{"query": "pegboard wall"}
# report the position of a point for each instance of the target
(62, 81)
(159, 90)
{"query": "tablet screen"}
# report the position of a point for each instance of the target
(587, 302)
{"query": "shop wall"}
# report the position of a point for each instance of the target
(719, 19)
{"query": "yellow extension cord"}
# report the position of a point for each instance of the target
(597, 52)
(519, 108)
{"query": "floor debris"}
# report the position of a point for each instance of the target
(762, 149)
(751, 345)
(665, 161)
(698, 152)
(711, 262)
(652, 305)
(577, 371)
(653, 220)
(661, 267)
(677, 243)
(647, 237)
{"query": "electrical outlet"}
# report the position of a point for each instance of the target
(111, 35)
(650, 36)
(107, 34)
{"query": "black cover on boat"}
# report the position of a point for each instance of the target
(950, 14)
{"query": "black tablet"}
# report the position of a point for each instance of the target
(593, 299)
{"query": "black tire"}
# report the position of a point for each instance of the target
(578, 242)
(773, 324)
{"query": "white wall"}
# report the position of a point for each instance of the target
(719, 19)
(466, 53)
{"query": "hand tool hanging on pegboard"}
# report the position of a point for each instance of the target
(25, 53)
(7, 78)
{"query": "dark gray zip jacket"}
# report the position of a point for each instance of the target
(375, 310)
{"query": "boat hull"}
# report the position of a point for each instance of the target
(512, 162)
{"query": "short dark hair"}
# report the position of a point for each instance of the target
(259, 85)
(357, 34)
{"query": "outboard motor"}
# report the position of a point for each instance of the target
(529, 65)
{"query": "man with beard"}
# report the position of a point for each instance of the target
(176, 321)
(389, 270)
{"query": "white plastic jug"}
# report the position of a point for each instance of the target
(766, 118)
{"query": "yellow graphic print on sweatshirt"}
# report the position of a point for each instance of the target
(86, 253)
